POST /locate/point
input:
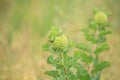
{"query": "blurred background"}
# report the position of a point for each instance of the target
(24, 25)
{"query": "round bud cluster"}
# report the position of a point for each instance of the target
(100, 18)
(60, 42)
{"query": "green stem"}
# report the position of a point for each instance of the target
(93, 48)
(63, 63)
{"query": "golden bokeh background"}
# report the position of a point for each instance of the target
(24, 25)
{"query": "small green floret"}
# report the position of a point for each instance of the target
(100, 18)
(60, 42)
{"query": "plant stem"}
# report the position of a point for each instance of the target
(65, 70)
(93, 48)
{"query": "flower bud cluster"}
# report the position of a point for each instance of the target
(100, 18)
(60, 42)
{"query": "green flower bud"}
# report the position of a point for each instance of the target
(60, 42)
(100, 18)
(51, 36)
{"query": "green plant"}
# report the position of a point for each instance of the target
(84, 64)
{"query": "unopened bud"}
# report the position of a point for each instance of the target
(100, 18)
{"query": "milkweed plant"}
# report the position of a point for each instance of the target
(84, 64)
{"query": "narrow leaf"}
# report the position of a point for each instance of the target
(88, 35)
(74, 59)
(84, 47)
(87, 58)
(55, 62)
(100, 66)
(92, 25)
(101, 49)
(82, 75)
(102, 33)
(52, 73)
(46, 47)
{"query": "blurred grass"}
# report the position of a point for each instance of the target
(24, 25)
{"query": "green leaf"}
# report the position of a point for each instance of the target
(85, 31)
(84, 47)
(71, 75)
(101, 48)
(86, 77)
(69, 47)
(52, 73)
(50, 60)
(74, 59)
(55, 62)
(82, 75)
(86, 58)
(46, 47)
(101, 40)
(81, 72)
(92, 25)
(102, 33)
(77, 54)
(58, 63)
(100, 66)
(78, 66)
(55, 31)
(89, 36)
